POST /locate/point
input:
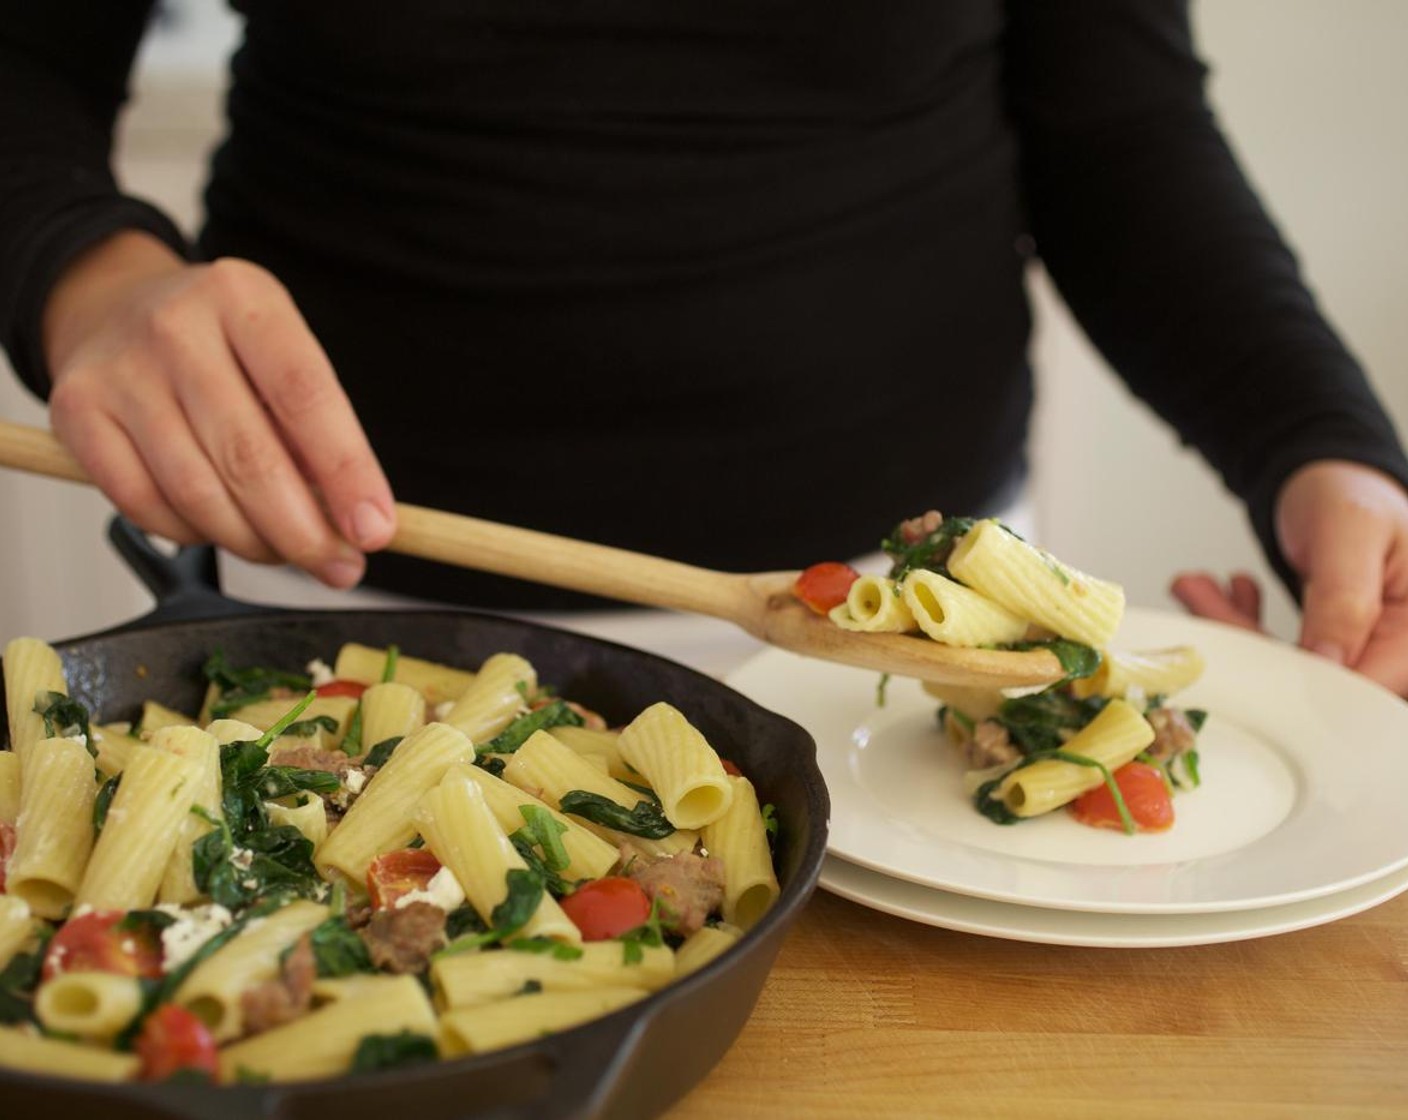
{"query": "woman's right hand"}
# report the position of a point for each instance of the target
(199, 401)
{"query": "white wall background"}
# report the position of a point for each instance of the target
(1313, 96)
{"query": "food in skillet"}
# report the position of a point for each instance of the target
(384, 863)
(1104, 740)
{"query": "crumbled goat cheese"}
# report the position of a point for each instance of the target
(443, 890)
(318, 672)
(191, 929)
(354, 779)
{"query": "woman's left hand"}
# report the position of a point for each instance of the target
(1343, 528)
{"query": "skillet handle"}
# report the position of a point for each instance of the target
(186, 585)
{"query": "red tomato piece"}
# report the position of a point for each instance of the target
(731, 768)
(395, 874)
(823, 586)
(1146, 796)
(341, 688)
(606, 908)
(174, 1040)
(7, 849)
(92, 942)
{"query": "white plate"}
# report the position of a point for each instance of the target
(1100, 931)
(1304, 766)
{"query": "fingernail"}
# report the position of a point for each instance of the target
(370, 525)
(343, 573)
(1331, 651)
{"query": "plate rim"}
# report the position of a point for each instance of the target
(1279, 919)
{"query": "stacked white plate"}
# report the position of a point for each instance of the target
(1301, 817)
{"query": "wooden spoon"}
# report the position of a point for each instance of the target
(760, 602)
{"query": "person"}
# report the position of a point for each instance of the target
(735, 283)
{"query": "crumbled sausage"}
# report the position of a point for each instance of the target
(917, 529)
(1173, 733)
(688, 887)
(991, 746)
(401, 940)
(285, 997)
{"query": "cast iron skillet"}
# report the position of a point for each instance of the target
(633, 1063)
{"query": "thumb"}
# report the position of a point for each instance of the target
(1343, 594)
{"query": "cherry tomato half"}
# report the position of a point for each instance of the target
(823, 586)
(606, 908)
(394, 874)
(174, 1040)
(92, 942)
(1145, 793)
(341, 688)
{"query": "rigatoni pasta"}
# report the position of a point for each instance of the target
(54, 829)
(32, 668)
(739, 838)
(679, 764)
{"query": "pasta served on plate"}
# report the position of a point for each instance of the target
(1104, 740)
(344, 869)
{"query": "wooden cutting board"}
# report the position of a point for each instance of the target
(871, 1017)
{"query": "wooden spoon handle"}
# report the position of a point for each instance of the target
(469, 542)
(39, 452)
(597, 569)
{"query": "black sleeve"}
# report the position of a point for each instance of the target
(1166, 257)
(63, 76)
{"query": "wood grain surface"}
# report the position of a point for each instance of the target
(871, 1016)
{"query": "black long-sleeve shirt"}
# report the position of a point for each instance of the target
(738, 282)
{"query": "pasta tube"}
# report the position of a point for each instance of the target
(1159, 672)
(178, 882)
(310, 818)
(874, 604)
(367, 664)
(390, 711)
(263, 714)
(1034, 584)
(144, 823)
(549, 770)
(32, 666)
(703, 945)
(156, 716)
(32, 1053)
(1112, 738)
(976, 703)
(9, 787)
(54, 831)
(739, 839)
(323, 1042)
(17, 926)
(92, 1005)
(602, 747)
(497, 696)
(682, 768)
(590, 856)
(460, 829)
(114, 745)
(380, 819)
(213, 989)
(473, 979)
(475, 1030)
(956, 615)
